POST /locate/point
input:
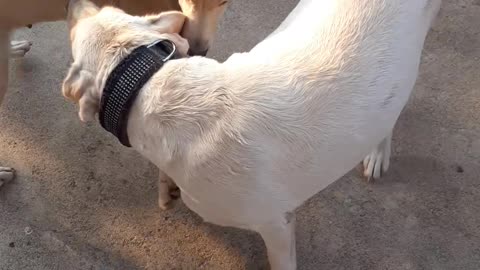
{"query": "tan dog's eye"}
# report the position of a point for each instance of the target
(223, 3)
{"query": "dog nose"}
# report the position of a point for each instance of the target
(200, 53)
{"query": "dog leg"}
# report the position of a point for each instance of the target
(279, 238)
(167, 190)
(18, 49)
(6, 175)
(4, 47)
(379, 160)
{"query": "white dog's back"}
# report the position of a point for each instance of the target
(249, 140)
(327, 88)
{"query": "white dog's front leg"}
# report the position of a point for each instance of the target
(18, 49)
(279, 238)
(166, 190)
(379, 160)
(6, 175)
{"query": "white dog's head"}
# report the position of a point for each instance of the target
(101, 38)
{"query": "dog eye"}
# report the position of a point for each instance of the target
(223, 3)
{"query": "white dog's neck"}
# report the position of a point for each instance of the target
(177, 105)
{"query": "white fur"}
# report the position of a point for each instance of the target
(249, 140)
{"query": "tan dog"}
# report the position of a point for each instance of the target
(199, 28)
(250, 139)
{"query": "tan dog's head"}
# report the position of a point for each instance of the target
(201, 26)
(101, 38)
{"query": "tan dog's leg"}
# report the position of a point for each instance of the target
(18, 49)
(4, 55)
(379, 160)
(279, 238)
(166, 190)
(6, 174)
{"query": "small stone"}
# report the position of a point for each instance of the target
(28, 230)
(460, 169)
(11, 244)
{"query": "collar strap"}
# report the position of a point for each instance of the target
(126, 80)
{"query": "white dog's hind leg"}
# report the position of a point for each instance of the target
(379, 160)
(279, 238)
(6, 175)
(166, 190)
(18, 49)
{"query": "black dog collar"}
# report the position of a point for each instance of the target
(126, 80)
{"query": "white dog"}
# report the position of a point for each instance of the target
(199, 28)
(249, 140)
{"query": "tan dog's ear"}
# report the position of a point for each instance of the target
(80, 9)
(167, 22)
(78, 86)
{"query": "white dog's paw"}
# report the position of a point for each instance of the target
(6, 175)
(166, 200)
(167, 191)
(18, 49)
(378, 161)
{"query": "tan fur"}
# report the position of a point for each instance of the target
(202, 18)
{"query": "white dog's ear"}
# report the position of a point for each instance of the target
(180, 42)
(78, 86)
(167, 22)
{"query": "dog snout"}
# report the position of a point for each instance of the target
(197, 52)
(198, 47)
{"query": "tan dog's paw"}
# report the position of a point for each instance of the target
(6, 175)
(18, 49)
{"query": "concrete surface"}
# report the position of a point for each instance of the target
(81, 201)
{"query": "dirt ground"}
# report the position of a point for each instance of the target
(81, 201)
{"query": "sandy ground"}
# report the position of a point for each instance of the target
(81, 201)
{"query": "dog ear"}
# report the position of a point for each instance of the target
(180, 42)
(167, 22)
(80, 9)
(78, 86)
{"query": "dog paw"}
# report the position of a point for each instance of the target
(164, 203)
(166, 200)
(6, 175)
(18, 49)
(378, 161)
